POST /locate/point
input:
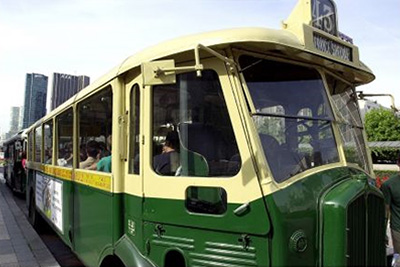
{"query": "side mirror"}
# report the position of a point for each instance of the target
(156, 72)
(18, 145)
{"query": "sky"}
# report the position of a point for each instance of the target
(90, 37)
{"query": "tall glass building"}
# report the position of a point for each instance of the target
(14, 122)
(35, 98)
(65, 86)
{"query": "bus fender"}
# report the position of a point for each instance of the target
(126, 250)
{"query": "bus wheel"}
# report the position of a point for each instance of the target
(174, 259)
(112, 261)
(34, 216)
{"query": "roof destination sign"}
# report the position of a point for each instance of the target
(315, 24)
(323, 14)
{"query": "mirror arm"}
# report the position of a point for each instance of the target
(362, 96)
(229, 62)
(167, 71)
(198, 67)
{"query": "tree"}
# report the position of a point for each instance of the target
(382, 125)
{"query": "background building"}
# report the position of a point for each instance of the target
(15, 120)
(65, 86)
(367, 105)
(35, 98)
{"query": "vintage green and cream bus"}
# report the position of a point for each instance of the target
(240, 147)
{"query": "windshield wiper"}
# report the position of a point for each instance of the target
(250, 66)
(264, 114)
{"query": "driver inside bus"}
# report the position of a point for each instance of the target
(168, 161)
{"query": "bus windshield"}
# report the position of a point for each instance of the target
(292, 115)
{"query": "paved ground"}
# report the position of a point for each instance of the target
(386, 167)
(20, 245)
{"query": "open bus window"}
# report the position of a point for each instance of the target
(208, 200)
(48, 142)
(350, 125)
(95, 123)
(38, 144)
(64, 124)
(293, 116)
(192, 131)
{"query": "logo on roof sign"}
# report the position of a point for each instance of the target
(324, 16)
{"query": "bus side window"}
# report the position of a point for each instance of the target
(38, 143)
(134, 159)
(192, 130)
(64, 124)
(95, 123)
(48, 142)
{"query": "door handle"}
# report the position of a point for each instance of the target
(242, 209)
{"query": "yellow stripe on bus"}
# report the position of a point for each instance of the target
(93, 179)
(58, 172)
(99, 181)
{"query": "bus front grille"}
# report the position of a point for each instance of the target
(365, 231)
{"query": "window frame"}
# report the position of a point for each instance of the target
(78, 131)
(37, 129)
(57, 136)
(50, 121)
(220, 92)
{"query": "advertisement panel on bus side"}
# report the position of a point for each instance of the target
(49, 199)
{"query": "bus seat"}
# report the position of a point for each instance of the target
(202, 139)
(194, 144)
(192, 164)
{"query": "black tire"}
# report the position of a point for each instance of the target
(35, 219)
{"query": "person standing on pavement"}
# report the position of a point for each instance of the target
(391, 192)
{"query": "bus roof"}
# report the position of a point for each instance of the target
(223, 38)
(241, 37)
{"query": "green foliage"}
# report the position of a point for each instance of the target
(384, 154)
(382, 125)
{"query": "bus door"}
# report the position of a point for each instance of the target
(202, 196)
(133, 167)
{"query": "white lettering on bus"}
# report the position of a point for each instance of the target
(332, 48)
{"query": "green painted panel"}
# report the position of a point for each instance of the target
(93, 223)
(253, 238)
(254, 221)
(334, 218)
(133, 223)
(202, 247)
(295, 212)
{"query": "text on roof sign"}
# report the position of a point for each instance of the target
(332, 48)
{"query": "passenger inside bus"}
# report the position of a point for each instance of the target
(104, 162)
(92, 152)
(168, 161)
(66, 155)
